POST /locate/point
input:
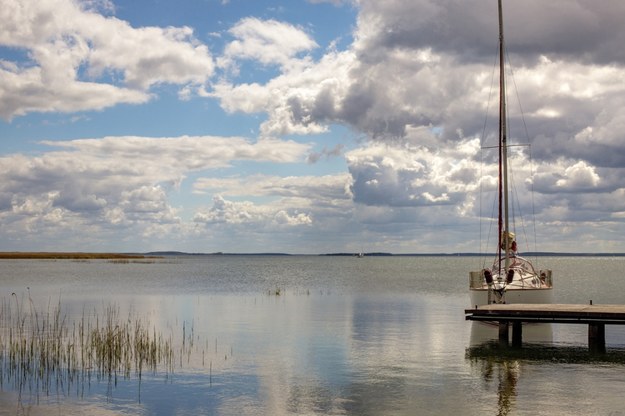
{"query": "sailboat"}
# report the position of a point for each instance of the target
(512, 278)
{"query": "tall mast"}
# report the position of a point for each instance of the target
(503, 148)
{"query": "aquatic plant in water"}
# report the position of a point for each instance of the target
(45, 352)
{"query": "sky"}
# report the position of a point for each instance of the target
(308, 126)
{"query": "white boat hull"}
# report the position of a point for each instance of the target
(521, 283)
(480, 296)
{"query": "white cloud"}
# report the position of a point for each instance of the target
(282, 201)
(25, 90)
(405, 175)
(562, 178)
(264, 216)
(420, 67)
(297, 102)
(579, 176)
(304, 98)
(266, 41)
(405, 71)
(328, 187)
(414, 87)
(82, 60)
(121, 184)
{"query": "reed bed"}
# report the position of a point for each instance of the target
(18, 255)
(43, 351)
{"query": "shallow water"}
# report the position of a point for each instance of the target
(320, 335)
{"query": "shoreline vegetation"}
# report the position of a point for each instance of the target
(127, 257)
(69, 256)
(47, 352)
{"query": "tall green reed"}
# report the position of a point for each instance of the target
(42, 351)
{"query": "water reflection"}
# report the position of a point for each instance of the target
(545, 353)
(509, 374)
(264, 354)
(365, 337)
(486, 352)
(505, 374)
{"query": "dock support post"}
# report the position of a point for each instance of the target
(517, 334)
(596, 337)
(503, 332)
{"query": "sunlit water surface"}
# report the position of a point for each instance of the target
(278, 335)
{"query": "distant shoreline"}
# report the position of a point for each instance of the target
(17, 255)
(67, 256)
(384, 254)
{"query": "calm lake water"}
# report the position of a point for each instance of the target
(283, 335)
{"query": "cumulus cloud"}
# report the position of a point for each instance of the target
(328, 187)
(113, 182)
(285, 201)
(314, 157)
(301, 98)
(265, 216)
(24, 90)
(386, 174)
(561, 28)
(183, 153)
(273, 211)
(430, 64)
(576, 178)
(414, 87)
(82, 60)
(418, 82)
(266, 41)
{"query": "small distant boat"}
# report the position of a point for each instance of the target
(360, 255)
(512, 278)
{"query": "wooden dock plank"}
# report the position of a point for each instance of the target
(613, 313)
(596, 316)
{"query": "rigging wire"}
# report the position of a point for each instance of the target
(482, 146)
(529, 145)
(513, 183)
(533, 204)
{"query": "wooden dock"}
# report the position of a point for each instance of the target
(595, 316)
